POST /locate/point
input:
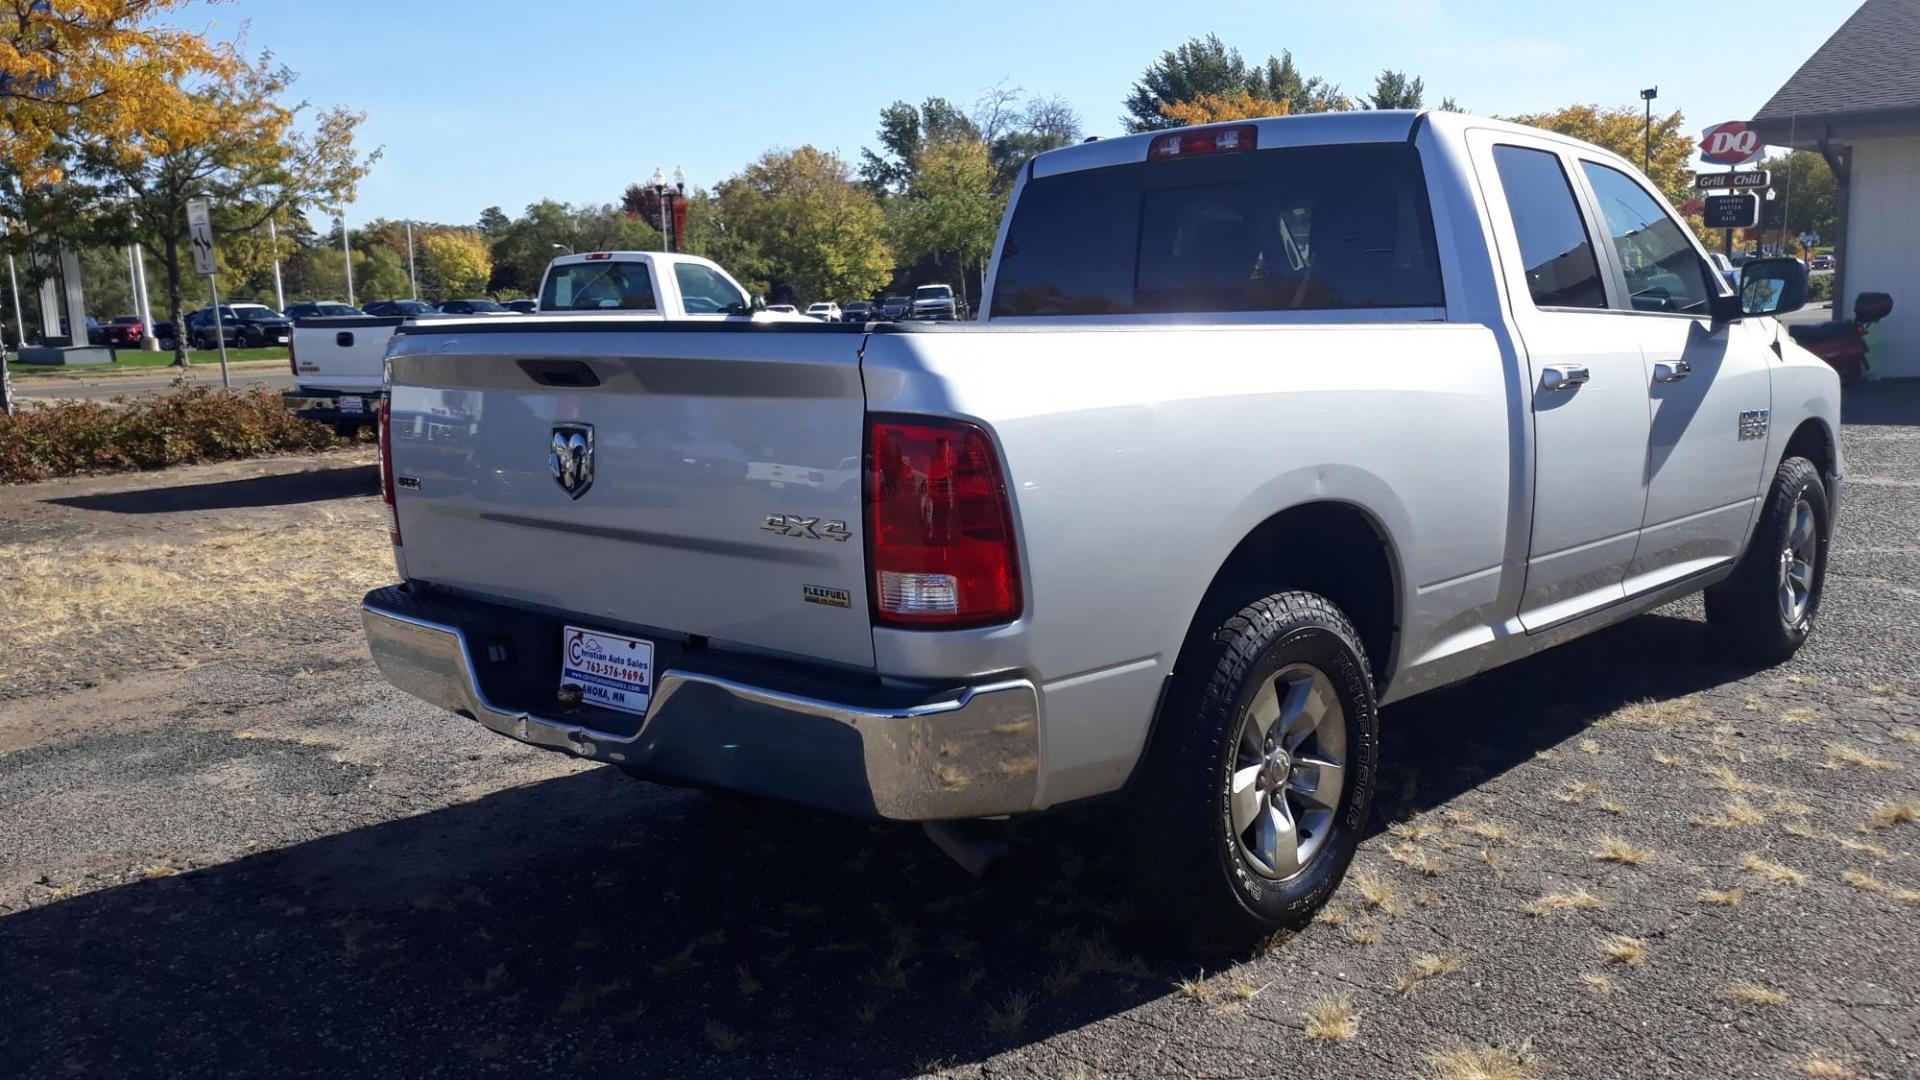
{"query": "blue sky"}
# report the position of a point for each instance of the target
(491, 102)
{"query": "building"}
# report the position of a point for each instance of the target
(1857, 101)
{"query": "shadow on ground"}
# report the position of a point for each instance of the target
(1884, 401)
(286, 489)
(591, 924)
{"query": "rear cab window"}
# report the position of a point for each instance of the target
(1561, 269)
(1294, 229)
(598, 286)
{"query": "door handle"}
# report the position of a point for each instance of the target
(1671, 370)
(1563, 376)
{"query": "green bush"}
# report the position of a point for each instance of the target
(191, 424)
(1820, 288)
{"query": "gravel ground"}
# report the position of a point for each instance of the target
(245, 855)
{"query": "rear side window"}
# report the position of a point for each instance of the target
(703, 292)
(1554, 245)
(598, 286)
(1663, 271)
(1311, 228)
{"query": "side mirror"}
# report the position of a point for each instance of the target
(759, 303)
(1769, 287)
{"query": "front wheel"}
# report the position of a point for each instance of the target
(1765, 611)
(1257, 789)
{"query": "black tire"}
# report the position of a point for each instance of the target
(1193, 857)
(1747, 611)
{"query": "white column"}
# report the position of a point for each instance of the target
(279, 294)
(147, 339)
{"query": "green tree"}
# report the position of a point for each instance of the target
(1622, 129)
(493, 222)
(523, 248)
(453, 263)
(1394, 90)
(821, 234)
(951, 208)
(1207, 67)
(1804, 190)
(904, 129)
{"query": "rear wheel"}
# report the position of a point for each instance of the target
(1258, 785)
(1765, 611)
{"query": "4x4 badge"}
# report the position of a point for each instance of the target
(806, 528)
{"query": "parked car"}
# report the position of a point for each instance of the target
(935, 302)
(783, 309)
(311, 309)
(1725, 268)
(1823, 261)
(828, 311)
(405, 309)
(608, 545)
(895, 307)
(858, 311)
(479, 306)
(522, 306)
(245, 326)
(124, 332)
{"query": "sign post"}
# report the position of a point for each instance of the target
(200, 230)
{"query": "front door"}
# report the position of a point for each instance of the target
(1589, 396)
(1708, 384)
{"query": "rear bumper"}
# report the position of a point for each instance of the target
(812, 737)
(326, 406)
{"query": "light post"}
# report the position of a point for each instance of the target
(413, 279)
(1646, 157)
(666, 195)
(562, 247)
(346, 254)
(279, 290)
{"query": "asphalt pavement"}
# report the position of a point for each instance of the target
(228, 849)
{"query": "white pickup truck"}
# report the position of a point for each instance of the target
(337, 361)
(1265, 424)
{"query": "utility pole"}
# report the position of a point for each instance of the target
(273, 241)
(1646, 157)
(142, 301)
(20, 318)
(346, 254)
(413, 279)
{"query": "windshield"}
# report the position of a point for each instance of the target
(598, 286)
(335, 309)
(895, 300)
(255, 314)
(932, 292)
(483, 305)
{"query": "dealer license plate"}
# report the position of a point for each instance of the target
(353, 404)
(612, 672)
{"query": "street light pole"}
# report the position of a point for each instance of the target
(1646, 157)
(346, 253)
(273, 241)
(659, 185)
(413, 279)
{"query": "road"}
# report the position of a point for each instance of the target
(227, 849)
(271, 374)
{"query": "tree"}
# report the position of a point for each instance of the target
(1206, 67)
(60, 63)
(903, 131)
(1393, 90)
(522, 250)
(1042, 124)
(230, 139)
(820, 234)
(1213, 108)
(951, 207)
(1804, 191)
(1622, 129)
(453, 263)
(493, 222)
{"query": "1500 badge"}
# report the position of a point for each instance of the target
(806, 528)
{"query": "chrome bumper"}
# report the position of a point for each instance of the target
(970, 753)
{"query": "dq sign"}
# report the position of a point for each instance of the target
(1731, 143)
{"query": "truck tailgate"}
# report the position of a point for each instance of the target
(714, 487)
(341, 352)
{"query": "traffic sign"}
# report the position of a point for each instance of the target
(200, 232)
(1732, 181)
(1731, 143)
(1731, 211)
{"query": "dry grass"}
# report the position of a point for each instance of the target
(1621, 949)
(114, 603)
(1010, 1016)
(1651, 713)
(1863, 882)
(1752, 993)
(1331, 916)
(1772, 871)
(1825, 1066)
(1361, 933)
(1579, 899)
(1577, 792)
(1598, 983)
(1333, 1020)
(1463, 1062)
(1412, 857)
(1428, 966)
(1376, 893)
(723, 1038)
(1886, 815)
(1735, 812)
(1661, 757)
(1906, 734)
(1194, 989)
(1800, 716)
(1727, 780)
(1590, 746)
(1610, 807)
(1615, 849)
(1414, 829)
(1839, 754)
(1808, 832)
(1491, 831)
(1718, 897)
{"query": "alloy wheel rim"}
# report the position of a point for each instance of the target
(1288, 772)
(1797, 559)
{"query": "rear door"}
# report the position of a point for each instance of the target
(1709, 387)
(1589, 398)
(703, 489)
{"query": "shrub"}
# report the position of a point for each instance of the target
(191, 424)
(1819, 288)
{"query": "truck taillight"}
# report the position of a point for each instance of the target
(940, 540)
(385, 428)
(1207, 140)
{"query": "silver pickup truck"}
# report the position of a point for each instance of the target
(1265, 425)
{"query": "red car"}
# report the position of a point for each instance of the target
(122, 332)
